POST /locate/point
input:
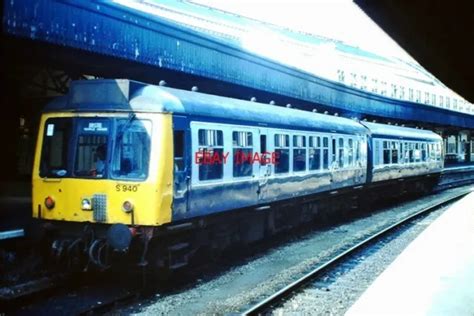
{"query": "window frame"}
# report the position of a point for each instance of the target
(315, 143)
(304, 147)
(206, 146)
(287, 147)
(250, 146)
(149, 130)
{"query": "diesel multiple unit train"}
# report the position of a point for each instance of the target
(159, 173)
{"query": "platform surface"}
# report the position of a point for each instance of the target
(459, 166)
(434, 275)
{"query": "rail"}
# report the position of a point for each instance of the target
(273, 300)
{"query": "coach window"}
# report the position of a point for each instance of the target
(448, 105)
(210, 154)
(410, 94)
(333, 151)
(423, 152)
(242, 153)
(441, 101)
(299, 153)
(357, 150)
(417, 152)
(282, 153)
(394, 152)
(376, 152)
(350, 152)
(402, 154)
(406, 153)
(432, 152)
(325, 150)
(411, 153)
(438, 152)
(263, 148)
(341, 153)
(314, 153)
(386, 153)
(433, 99)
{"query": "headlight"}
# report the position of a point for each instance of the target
(86, 204)
(127, 206)
(49, 203)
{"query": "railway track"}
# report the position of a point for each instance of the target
(102, 302)
(66, 294)
(12, 234)
(264, 306)
(15, 293)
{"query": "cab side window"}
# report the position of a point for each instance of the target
(178, 147)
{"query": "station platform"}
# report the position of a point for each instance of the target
(434, 275)
(459, 166)
(15, 208)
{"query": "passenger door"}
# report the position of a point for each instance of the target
(265, 169)
(182, 167)
(334, 161)
(358, 158)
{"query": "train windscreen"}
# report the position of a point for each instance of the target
(113, 148)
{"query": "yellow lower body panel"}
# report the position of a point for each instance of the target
(106, 196)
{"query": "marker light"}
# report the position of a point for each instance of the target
(127, 206)
(49, 203)
(86, 204)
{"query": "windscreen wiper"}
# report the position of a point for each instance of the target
(131, 117)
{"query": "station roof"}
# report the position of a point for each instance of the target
(104, 31)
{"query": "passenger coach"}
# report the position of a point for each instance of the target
(404, 154)
(123, 161)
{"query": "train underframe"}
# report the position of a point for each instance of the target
(170, 247)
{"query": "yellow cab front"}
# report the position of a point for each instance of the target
(104, 168)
